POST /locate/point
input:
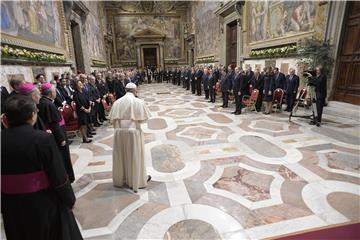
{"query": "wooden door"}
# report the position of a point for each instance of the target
(347, 83)
(231, 43)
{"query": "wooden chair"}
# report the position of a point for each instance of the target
(278, 96)
(71, 123)
(250, 101)
(105, 105)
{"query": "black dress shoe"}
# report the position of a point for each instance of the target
(237, 113)
(233, 112)
(312, 123)
(87, 141)
(93, 133)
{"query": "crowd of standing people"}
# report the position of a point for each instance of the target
(37, 171)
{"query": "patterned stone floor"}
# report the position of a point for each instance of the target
(220, 176)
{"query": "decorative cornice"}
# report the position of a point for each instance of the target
(224, 9)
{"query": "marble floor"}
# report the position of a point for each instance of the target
(220, 176)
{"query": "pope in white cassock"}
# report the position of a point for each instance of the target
(127, 114)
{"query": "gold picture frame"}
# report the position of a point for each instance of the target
(26, 43)
(319, 24)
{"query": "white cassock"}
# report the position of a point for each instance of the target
(127, 114)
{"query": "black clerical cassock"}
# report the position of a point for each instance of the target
(54, 121)
(36, 195)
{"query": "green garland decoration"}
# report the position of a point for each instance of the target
(209, 59)
(18, 53)
(280, 51)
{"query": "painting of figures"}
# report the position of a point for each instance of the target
(206, 28)
(36, 21)
(258, 20)
(269, 20)
(128, 26)
(95, 39)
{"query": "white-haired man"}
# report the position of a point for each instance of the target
(127, 114)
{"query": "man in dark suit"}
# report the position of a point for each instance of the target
(61, 89)
(291, 88)
(205, 80)
(249, 74)
(187, 78)
(320, 92)
(212, 85)
(279, 79)
(198, 78)
(226, 87)
(236, 81)
(257, 82)
(192, 80)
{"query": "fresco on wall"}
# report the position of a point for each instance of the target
(127, 26)
(269, 20)
(94, 36)
(206, 28)
(36, 21)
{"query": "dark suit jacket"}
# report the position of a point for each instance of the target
(205, 80)
(64, 93)
(226, 84)
(320, 87)
(4, 95)
(212, 81)
(292, 85)
(279, 81)
(258, 82)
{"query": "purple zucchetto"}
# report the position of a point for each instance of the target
(46, 86)
(26, 87)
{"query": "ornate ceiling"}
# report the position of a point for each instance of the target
(146, 6)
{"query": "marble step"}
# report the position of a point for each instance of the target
(344, 110)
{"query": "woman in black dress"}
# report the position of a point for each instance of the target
(83, 109)
(268, 89)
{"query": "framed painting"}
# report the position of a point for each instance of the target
(34, 24)
(287, 21)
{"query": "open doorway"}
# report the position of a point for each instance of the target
(150, 57)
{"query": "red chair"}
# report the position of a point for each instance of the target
(73, 105)
(105, 105)
(112, 98)
(251, 88)
(278, 96)
(71, 123)
(250, 101)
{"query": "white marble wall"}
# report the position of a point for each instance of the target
(27, 72)
(279, 61)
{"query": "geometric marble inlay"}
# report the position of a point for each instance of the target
(191, 230)
(99, 206)
(166, 158)
(269, 125)
(251, 185)
(156, 124)
(180, 113)
(263, 147)
(343, 161)
(199, 133)
(219, 118)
